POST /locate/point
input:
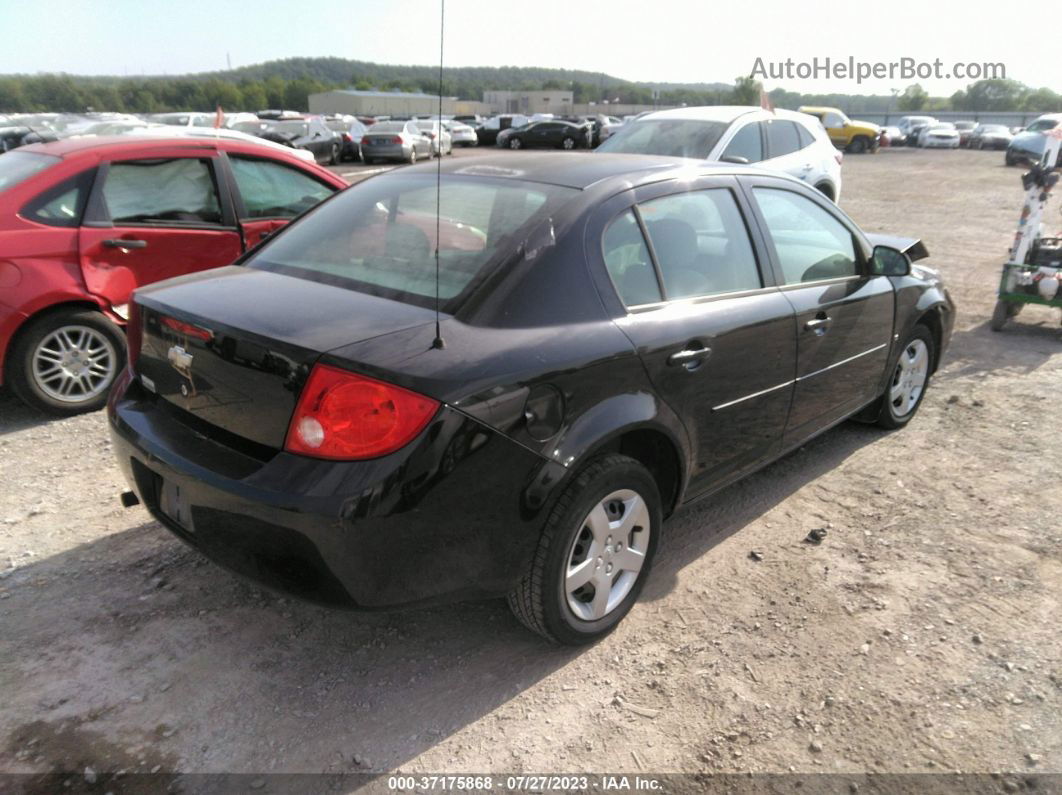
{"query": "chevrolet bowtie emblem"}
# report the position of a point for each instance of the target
(181, 361)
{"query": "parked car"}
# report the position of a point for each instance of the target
(990, 136)
(309, 134)
(965, 129)
(14, 136)
(1028, 146)
(350, 131)
(183, 119)
(488, 131)
(223, 132)
(845, 134)
(911, 126)
(84, 221)
(941, 135)
(589, 379)
(550, 134)
(461, 134)
(441, 142)
(792, 142)
(472, 119)
(895, 135)
(396, 140)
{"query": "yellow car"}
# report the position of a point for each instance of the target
(851, 136)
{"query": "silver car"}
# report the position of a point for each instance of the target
(395, 140)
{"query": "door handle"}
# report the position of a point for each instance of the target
(126, 244)
(690, 358)
(820, 324)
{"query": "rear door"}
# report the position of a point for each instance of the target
(844, 314)
(715, 335)
(153, 218)
(268, 194)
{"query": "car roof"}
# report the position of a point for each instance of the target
(583, 171)
(820, 109)
(725, 113)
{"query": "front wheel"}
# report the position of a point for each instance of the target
(568, 143)
(904, 394)
(594, 555)
(858, 145)
(412, 156)
(65, 362)
(515, 143)
(336, 156)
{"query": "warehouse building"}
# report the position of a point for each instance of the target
(388, 103)
(528, 102)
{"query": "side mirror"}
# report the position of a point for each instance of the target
(743, 161)
(888, 261)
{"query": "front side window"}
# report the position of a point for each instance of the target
(746, 143)
(700, 243)
(833, 121)
(810, 243)
(271, 190)
(378, 237)
(672, 137)
(180, 191)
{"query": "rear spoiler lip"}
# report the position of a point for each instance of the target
(913, 247)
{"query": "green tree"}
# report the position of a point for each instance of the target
(914, 97)
(746, 91)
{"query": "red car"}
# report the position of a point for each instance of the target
(83, 222)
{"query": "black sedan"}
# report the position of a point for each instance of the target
(310, 134)
(990, 136)
(552, 134)
(605, 339)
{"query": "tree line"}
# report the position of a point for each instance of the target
(288, 83)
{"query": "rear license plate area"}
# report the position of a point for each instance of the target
(174, 504)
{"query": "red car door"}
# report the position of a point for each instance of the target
(268, 193)
(152, 218)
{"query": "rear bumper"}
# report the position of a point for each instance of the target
(390, 151)
(445, 518)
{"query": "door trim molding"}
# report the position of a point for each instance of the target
(843, 361)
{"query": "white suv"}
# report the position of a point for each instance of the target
(795, 143)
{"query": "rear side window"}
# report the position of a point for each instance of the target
(271, 190)
(628, 261)
(806, 138)
(746, 143)
(179, 191)
(18, 166)
(811, 244)
(701, 244)
(782, 138)
(378, 237)
(64, 204)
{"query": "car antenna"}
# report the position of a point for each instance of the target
(438, 342)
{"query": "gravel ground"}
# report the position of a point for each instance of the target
(921, 635)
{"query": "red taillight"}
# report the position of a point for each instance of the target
(365, 139)
(397, 139)
(187, 329)
(345, 416)
(346, 137)
(134, 334)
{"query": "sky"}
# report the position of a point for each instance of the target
(649, 40)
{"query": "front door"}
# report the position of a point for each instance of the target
(716, 338)
(844, 315)
(150, 219)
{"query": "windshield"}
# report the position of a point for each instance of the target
(18, 166)
(674, 137)
(378, 237)
(1042, 124)
(993, 128)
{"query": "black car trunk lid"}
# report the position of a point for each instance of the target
(234, 350)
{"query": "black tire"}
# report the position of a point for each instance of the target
(1004, 311)
(515, 143)
(568, 143)
(412, 156)
(539, 600)
(1008, 160)
(859, 145)
(337, 155)
(23, 353)
(889, 417)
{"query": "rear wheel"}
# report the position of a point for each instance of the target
(568, 143)
(65, 362)
(1003, 312)
(594, 555)
(334, 160)
(859, 145)
(904, 394)
(412, 156)
(515, 143)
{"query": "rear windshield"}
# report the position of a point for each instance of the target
(295, 127)
(388, 126)
(674, 137)
(378, 237)
(18, 166)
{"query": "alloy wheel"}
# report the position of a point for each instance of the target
(909, 380)
(74, 364)
(607, 555)
(568, 143)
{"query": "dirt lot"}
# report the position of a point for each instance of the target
(921, 635)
